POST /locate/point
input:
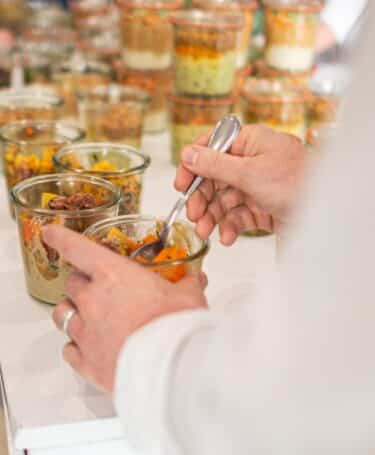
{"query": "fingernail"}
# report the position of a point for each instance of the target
(189, 156)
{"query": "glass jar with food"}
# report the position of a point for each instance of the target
(78, 74)
(147, 35)
(183, 254)
(324, 105)
(28, 147)
(246, 8)
(268, 72)
(83, 9)
(47, 15)
(120, 164)
(192, 118)
(241, 77)
(205, 52)
(113, 113)
(158, 84)
(278, 105)
(24, 104)
(12, 13)
(73, 201)
(104, 46)
(291, 31)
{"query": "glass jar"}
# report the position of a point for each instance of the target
(94, 200)
(113, 113)
(291, 31)
(28, 147)
(6, 67)
(83, 9)
(120, 164)
(246, 8)
(12, 13)
(241, 77)
(75, 75)
(147, 35)
(157, 84)
(192, 118)
(25, 104)
(48, 16)
(267, 72)
(278, 105)
(103, 46)
(205, 52)
(184, 254)
(324, 105)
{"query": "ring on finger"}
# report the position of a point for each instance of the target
(66, 319)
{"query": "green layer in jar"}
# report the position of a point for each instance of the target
(183, 135)
(205, 76)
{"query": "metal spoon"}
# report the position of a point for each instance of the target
(221, 140)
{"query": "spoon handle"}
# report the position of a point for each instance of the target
(223, 136)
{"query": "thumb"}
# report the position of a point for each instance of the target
(210, 164)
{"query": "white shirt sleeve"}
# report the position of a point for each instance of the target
(292, 370)
(342, 15)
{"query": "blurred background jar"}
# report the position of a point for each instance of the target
(205, 52)
(278, 105)
(291, 28)
(147, 35)
(78, 74)
(265, 71)
(324, 106)
(242, 75)
(6, 67)
(12, 13)
(157, 84)
(246, 9)
(104, 46)
(83, 9)
(44, 14)
(191, 118)
(113, 113)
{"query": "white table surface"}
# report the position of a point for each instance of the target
(52, 410)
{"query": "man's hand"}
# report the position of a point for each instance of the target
(113, 297)
(247, 189)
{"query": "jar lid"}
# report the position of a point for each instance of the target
(308, 6)
(273, 91)
(264, 70)
(169, 5)
(207, 19)
(203, 102)
(247, 5)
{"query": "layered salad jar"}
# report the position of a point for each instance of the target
(183, 254)
(113, 113)
(73, 201)
(120, 164)
(147, 35)
(78, 74)
(205, 52)
(265, 71)
(191, 118)
(157, 84)
(246, 8)
(291, 31)
(28, 147)
(280, 106)
(27, 104)
(324, 105)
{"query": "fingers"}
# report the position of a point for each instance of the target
(238, 220)
(198, 202)
(75, 323)
(264, 222)
(191, 286)
(72, 355)
(75, 284)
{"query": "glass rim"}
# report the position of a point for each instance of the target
(204, 102)
(169, 5)
(131, 219)
(27, 94)
(80, 133)
(115, 191)
(207, 19)
(296, 94)
(146, 160)
(303, 6)
(100, 90)
(79, 5)
(242, 5)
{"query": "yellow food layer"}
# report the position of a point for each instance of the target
(197, 51)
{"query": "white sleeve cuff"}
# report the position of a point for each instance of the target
(143, 374)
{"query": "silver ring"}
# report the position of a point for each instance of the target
(65, 322)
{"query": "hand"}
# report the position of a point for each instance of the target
(243, 189)
(113, 297)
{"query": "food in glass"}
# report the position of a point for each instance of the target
(246, 8)
(83, 9)
(184, 253)
(324, 105)
(36, 68)
(104, 46)
(192, 118)
(12, 13)
(120, 164)
(73, 201)
(278, 105)
(48, 16)
(268, 72)
(78, 74)
(241, 77)
(113, 113)
(28, 147)
(205, 52)
(147, 35)
(27, 104)
(291, 30)
(158, 84)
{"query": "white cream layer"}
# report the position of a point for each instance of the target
(290, 58)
